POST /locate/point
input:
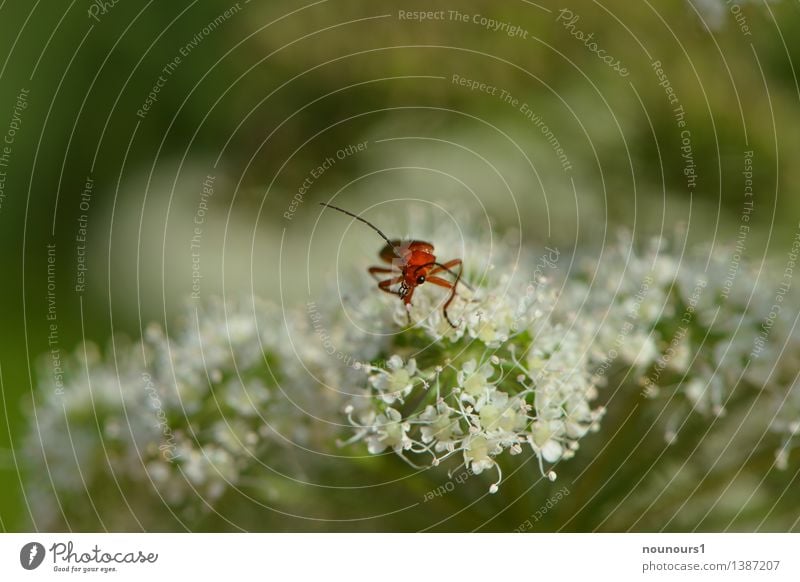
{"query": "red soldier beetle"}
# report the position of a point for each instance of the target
(413, 263)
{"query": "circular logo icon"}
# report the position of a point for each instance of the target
(31, 555)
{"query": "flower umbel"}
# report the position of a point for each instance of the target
(508, 376)
(220, 406)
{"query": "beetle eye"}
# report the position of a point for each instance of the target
(420, 280)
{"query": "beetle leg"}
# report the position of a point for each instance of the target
(439, 267)
(380, 270)
(407, 303)
(386, 283)
(447, 285)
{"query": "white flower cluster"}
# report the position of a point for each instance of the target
(506, 378)
(182, 419)
(707, 325)
(189, 414)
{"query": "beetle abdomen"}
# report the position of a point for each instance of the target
(402, 249)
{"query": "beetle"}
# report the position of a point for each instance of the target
(413, 264)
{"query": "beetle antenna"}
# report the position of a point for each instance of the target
(369, 224)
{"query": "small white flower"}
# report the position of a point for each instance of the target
(695, 391)
(475, 380)
(493, 323)
(544, 440)
(477, 454)
(578, 416)
(389, 431)
(396, 382)
(500, 415)
(440, 426)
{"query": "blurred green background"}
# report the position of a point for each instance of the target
(271, 89)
